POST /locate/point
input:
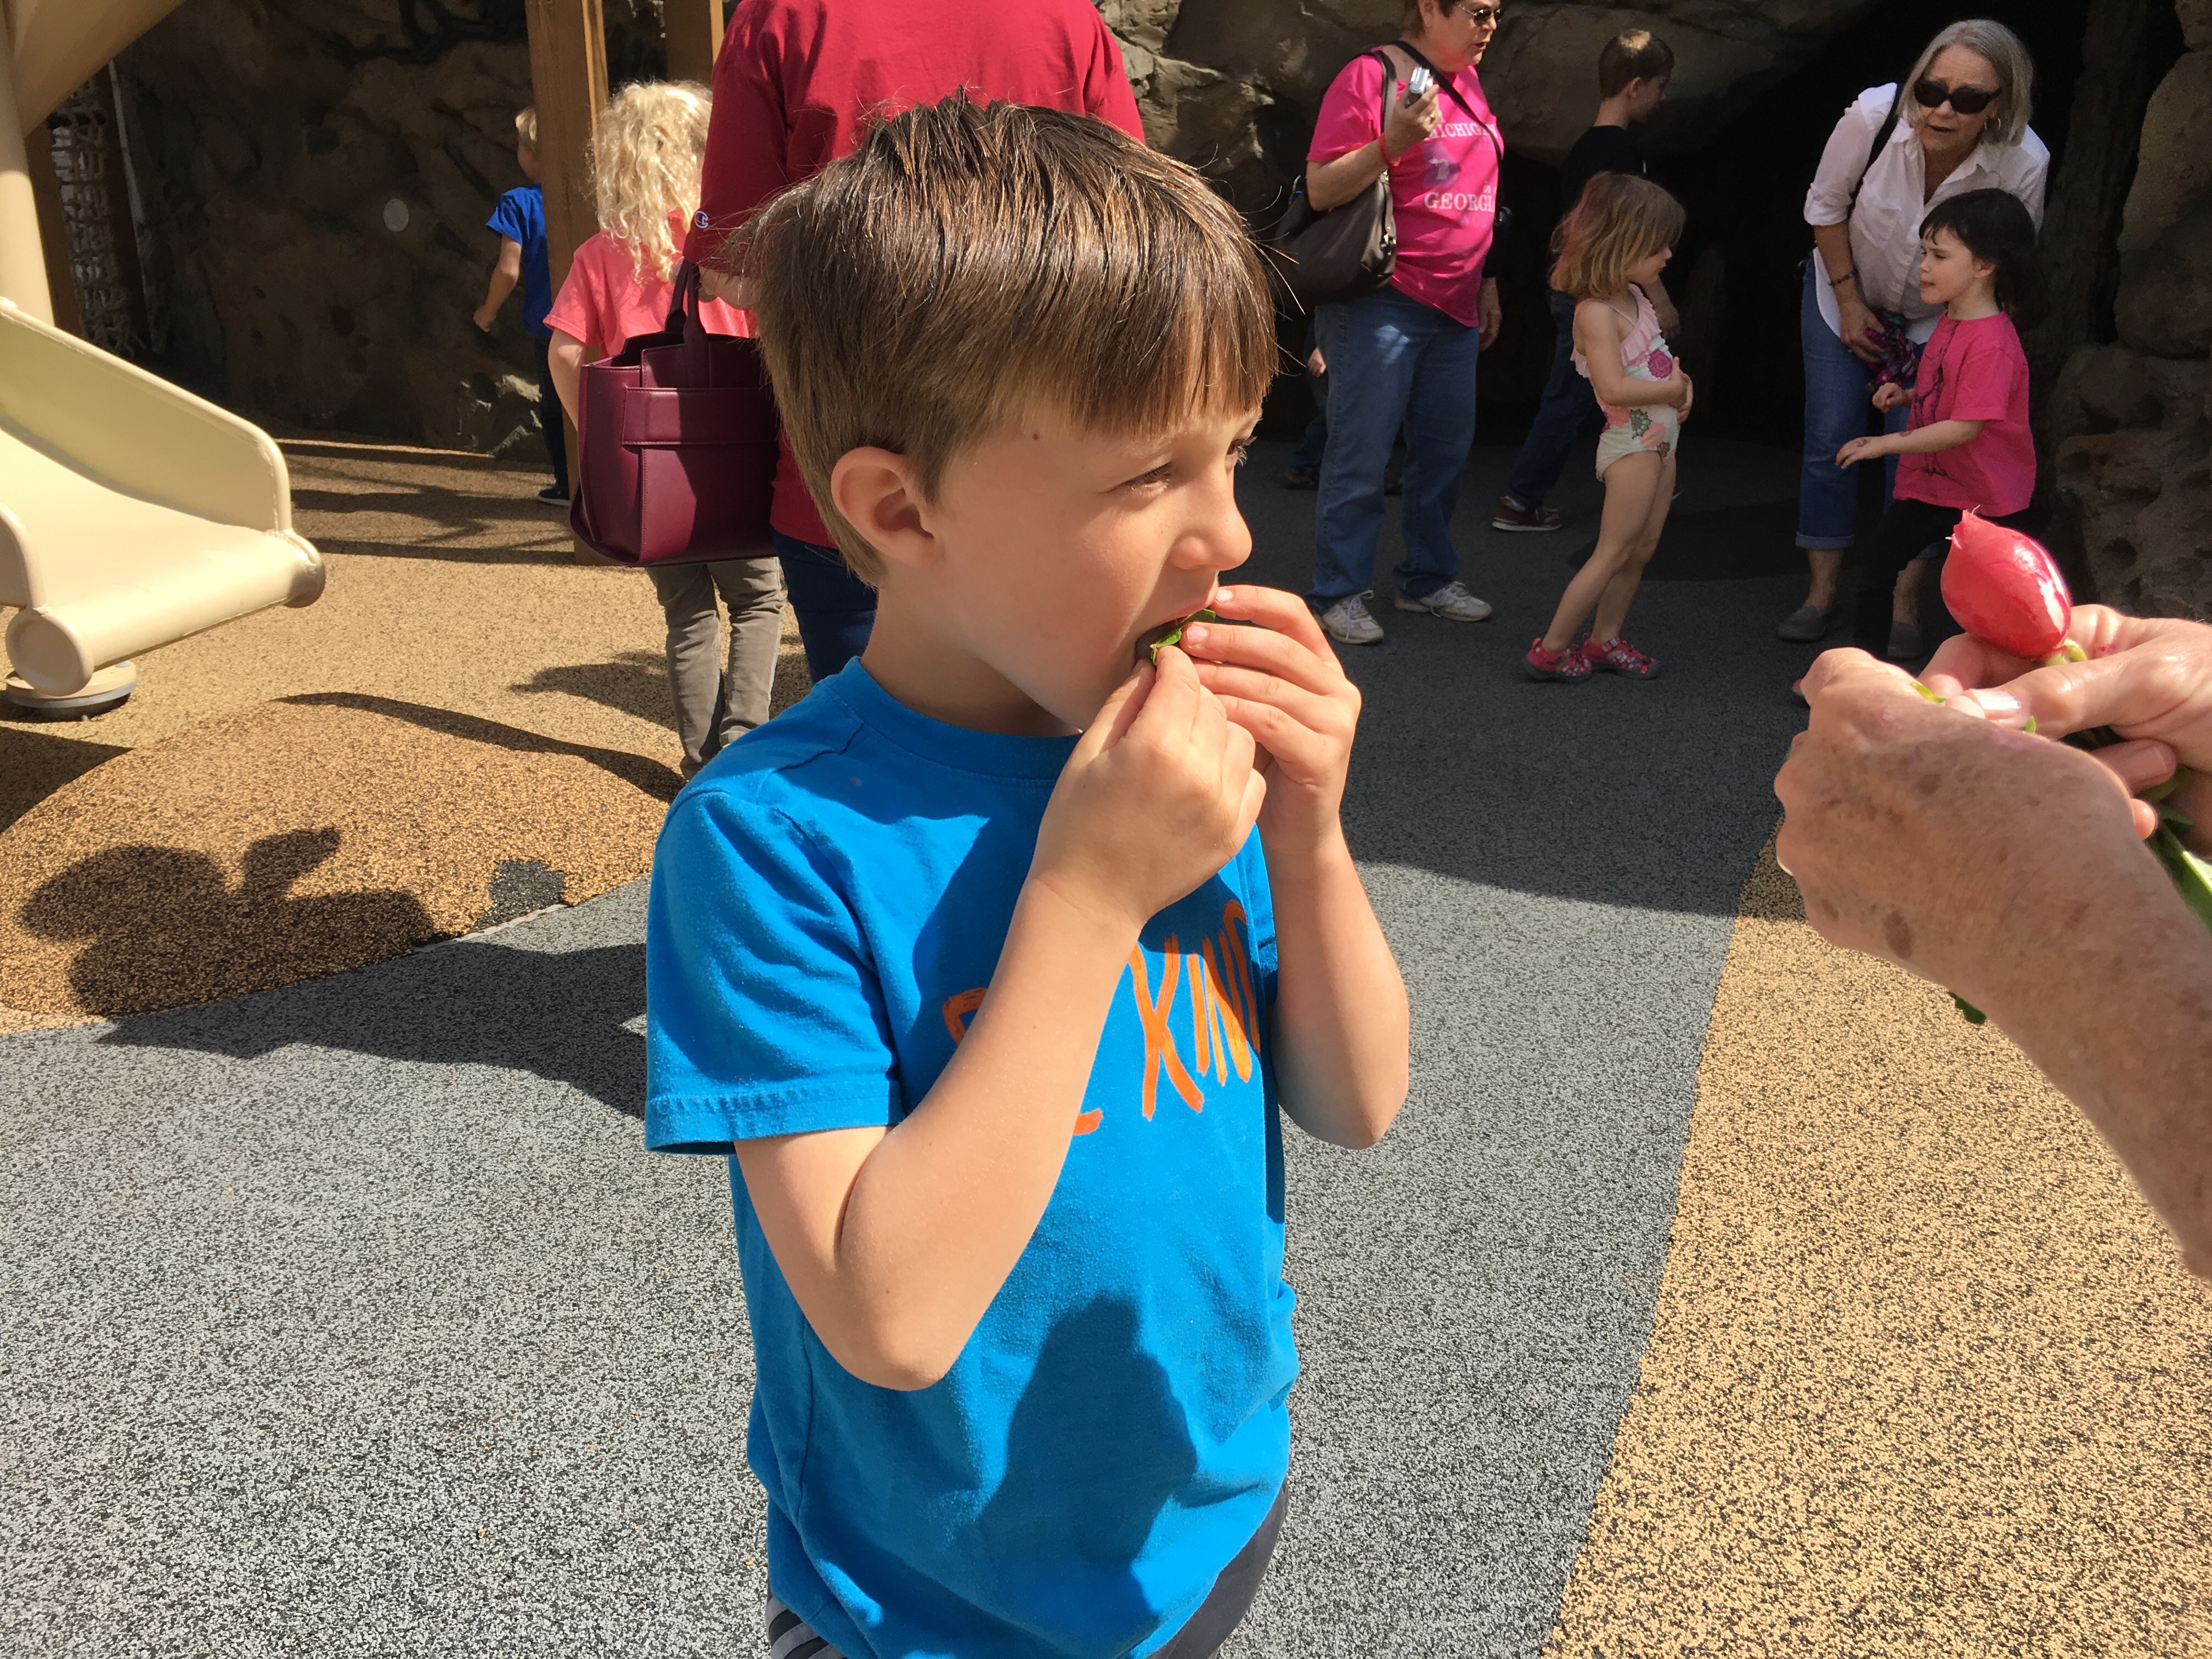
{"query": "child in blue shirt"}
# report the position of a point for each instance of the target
(994, 961)
(519, 219)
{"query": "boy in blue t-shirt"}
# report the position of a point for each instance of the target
(519, 219)
(973, 960)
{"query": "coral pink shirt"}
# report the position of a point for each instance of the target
(798, 83)
(1973, 371)
(605, 304)
(1443, 190)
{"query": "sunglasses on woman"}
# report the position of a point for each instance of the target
(1932, 93)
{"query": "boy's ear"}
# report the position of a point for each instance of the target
(879, 495)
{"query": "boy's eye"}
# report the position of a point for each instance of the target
(1158, 474)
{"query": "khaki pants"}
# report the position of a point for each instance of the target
(716, 702)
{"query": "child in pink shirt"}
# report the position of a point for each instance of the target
(645, 172)
(1968, 445)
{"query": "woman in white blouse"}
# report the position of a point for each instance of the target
(1959, 122)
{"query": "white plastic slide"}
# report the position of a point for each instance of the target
(131, 513)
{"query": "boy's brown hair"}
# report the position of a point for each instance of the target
(1620, 221)
(969, 262)
(526, 129)
(1632, 55)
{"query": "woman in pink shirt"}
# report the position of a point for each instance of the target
(1968, 445)
(645, 172)
(1407, 354)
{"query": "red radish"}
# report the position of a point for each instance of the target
(2005, 589)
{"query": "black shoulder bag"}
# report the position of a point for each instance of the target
(1319, 255)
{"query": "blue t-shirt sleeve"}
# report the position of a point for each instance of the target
(763, 1014)
(1259, 901)
(511, 218)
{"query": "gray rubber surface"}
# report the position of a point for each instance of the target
(351, 1319)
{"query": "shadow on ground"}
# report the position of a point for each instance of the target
(153, 919)
(635, 683)
(652, 776)
(569, 1016)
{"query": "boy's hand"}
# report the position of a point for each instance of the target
(1862, 449)
(1159, 794)
(1281, 682)
(1889, 395)
(486, 315)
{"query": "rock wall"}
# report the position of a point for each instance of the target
(1232, 86)
(317, 175)
(2134, 416)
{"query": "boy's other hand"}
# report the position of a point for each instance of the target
(1861, 449)
(1889, 395)
(1281, 682)
(1159, 794)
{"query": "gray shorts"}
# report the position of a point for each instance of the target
(790, 1637)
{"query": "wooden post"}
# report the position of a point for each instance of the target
(691, 30)
(569, 83)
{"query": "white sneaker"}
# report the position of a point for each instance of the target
(1452, 602)
(1347, 620)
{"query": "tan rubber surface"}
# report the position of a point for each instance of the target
(1925, 1376)
(305, 791)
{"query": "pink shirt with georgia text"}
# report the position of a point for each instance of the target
(1973, 371)
(1443, 190)
(605, 304)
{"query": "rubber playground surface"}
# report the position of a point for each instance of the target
(1716, 1292)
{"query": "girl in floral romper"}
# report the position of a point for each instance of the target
(1615, 242)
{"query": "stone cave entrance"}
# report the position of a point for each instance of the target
(1735, 277)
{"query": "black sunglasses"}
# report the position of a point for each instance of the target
(1967, 100)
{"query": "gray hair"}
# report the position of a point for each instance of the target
(2007, 55)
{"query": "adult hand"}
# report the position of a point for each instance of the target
(2004, 866)
(1410, 123)
(730, 290)
(2149, 678)
(1316, 364)
(1489, 312)
(1856, 319)
(1889, 395)
(1862, 449)
(1945, 843)
(1281, 682)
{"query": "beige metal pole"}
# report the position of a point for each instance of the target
(22, 256)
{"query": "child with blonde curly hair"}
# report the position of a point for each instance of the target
(645, 174)
(1612, 247)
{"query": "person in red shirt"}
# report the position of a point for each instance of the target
(798, 83)
(1968, 445)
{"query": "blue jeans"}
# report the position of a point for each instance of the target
(1392, 359)
(1836, 388)
(1569, 407)
(836, 610)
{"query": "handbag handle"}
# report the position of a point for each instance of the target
(683, 320)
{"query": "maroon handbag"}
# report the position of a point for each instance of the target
(675, 440)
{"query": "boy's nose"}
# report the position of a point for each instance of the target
(1220, 540)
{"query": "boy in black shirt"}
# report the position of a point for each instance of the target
(1633, 71)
